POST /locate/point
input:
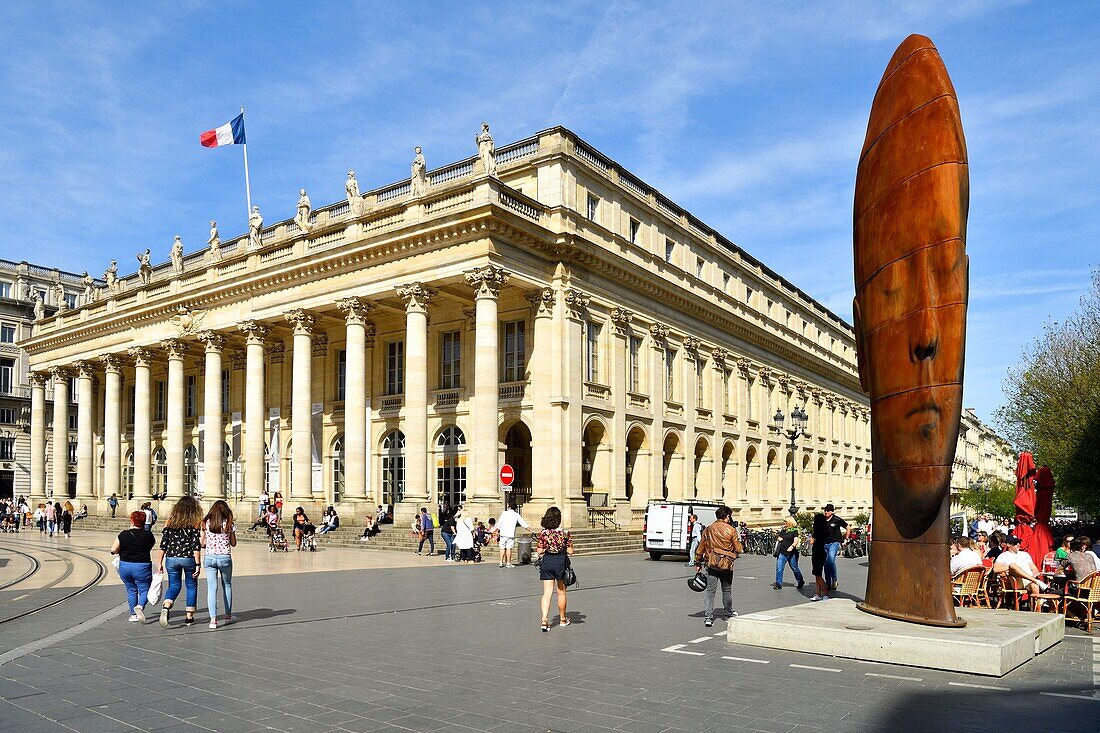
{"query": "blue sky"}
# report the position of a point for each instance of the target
(751, 115)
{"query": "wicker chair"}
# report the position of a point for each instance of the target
(1012, 591)
(967, 584)
(1086, 594)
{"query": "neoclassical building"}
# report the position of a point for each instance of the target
(535, 304)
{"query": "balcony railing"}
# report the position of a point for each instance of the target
(512, 391)
(15, 391)
(447, 397)
(597, 391)
(392, 403)
(638, 401)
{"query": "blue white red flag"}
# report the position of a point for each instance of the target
(231, 133)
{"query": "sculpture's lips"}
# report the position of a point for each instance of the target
(929, 408)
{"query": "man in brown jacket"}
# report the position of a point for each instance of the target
(718, 550)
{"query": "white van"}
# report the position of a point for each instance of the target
(666, 525)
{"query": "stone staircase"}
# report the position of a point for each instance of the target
(586, 541)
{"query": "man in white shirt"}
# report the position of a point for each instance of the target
(265, 499)
(963, 555)
(985, 524)
(1019, 565)
(506, 525)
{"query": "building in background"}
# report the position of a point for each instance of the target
(981, 454)
(536, 304)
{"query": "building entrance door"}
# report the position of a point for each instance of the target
(7, 484)
(517, 454)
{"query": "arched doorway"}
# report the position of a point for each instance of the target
(128, 476)
(672, 476)
(450, 466)
(728, 452)
(772, 477)
(337, 468)
(595, 468)
(701, 473)
(393, 468)
(753, 487)
(191, 471)
(232, 485)
(517, 454)
(636, 473)
(160, 472)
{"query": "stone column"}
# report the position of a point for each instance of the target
(213, 486)
(112, 426)
(143, 439)
(658, 339)
(60, 377)
(301, 407)
(618, 357)
(255, 409)
(355, 312)
(176, 399)
(572, 315)
(416, 296)
(540, 366)
(486, 282)
(85, 441)
(38, 436)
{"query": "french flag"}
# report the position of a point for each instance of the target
(231, 133)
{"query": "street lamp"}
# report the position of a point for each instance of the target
(796, 430)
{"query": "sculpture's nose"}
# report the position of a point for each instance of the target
(925, 339)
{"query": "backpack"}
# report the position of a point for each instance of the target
(153, 516)
(426, 522)
(112, 502)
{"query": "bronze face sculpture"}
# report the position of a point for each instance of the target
(912, 194)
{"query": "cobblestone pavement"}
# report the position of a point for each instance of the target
(437, 647)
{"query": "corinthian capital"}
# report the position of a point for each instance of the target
(542, 301)
(416, 295)
(38, 379)
(254, 331)
(301, 320)
(487, 281)
(141, 355)
(175, 348)
(212, 340)
(84, 369)
(355, 310)
(58, 373)
(111, 362)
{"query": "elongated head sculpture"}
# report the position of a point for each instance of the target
(911, 200)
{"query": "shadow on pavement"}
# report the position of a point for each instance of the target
(258, 614)
(954, 710)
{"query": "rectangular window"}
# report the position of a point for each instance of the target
(592, 357)
(7, 333)
(635, 364)
(7, 449)
(72, 452)
(700, 374)
(395, 368)
(133, 402)
(748, 295)
(341, 374)
(73, 420)
(191, 405)
(670, 373)
(74, 393)
(593, 207)
(725, 282)
(515, 351)
(726, 392)
(450, 360)
(5, 289)
(7, 375)
(7, 416)
(635, 228)
(161, 406)
(700, 263)
(670, 249)
(750, 413)
(70, 300)
(225, 390)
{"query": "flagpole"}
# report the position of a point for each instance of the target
(247, 187)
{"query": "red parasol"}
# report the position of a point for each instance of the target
(1025, 495)
(1041, 536)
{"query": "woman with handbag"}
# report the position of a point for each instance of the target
(553, 548)
(180, 545)
(464, 535)
(219, 535)
(135, 567)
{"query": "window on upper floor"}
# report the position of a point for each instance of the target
(395, 368)
(7, 333)
(7, 449)
(670, 249)
(700, 381)
(725, 282)
(7, 376)
(635, 364)
(592, 353)
(191, 402)
(749, 292)
(450, 360)
(635, 230)
(593, 207)
(70, 300)
(514, 352)
(341, 375)
(7, 416)
(726, 391)
(74, 420)
(161, 407)
(700, 264)
(132, 400)
(670, 373)
(5, 289)
(225, 390)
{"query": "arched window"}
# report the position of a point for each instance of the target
(338, 468)
(128, 476)
(450, 466)
(190, 471)
(229, 471)
(393, 468)
(160, 472)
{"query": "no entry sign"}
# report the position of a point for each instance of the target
(507, 475)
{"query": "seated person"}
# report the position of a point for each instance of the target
(493, 532)
(981, 545)
(1081, 561)
(370, 528)
(82, 513)
(302, 526)
(1064, 549)
(331, 521)
(996, 542)
(268, 520)
(1019, 565)
(382, 516)
(963, 555)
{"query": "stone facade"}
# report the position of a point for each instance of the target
(981, 454)
(559, 314)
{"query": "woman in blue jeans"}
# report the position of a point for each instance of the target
(219, 536)
(786, 553)
(179, 557)
(134, 567)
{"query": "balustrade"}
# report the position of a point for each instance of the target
(512, 391)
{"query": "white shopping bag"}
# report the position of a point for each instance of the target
(155, 587)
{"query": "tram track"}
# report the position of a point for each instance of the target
(59, 553)
(35, 566)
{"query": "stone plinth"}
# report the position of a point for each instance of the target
(994, 642)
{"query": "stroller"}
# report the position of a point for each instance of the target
(309, 538)
(277, 541)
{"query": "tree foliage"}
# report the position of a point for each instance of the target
(994, 497)
(1053, 403)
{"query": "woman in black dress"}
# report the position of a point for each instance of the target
(67, 518)
(553, 547)
(818, 539)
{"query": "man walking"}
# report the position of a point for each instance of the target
(718, 549)
(695, 534)
(427, 532)
(506, 526)
(112, 502)
(836, 527)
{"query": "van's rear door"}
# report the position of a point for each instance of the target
(658, 527)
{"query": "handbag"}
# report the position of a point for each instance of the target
(155, 587)
(570, 578)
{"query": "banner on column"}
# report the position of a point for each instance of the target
(315, 428)
(200, 469)
(273, 450)
(236, 485)
(367, 450)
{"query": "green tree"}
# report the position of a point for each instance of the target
(993, 497)
(1053, 403)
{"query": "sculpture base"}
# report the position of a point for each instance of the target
(993, 643)
(958, 623)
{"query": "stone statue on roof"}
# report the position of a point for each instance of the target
(176, 254)
(255, 228)
(110, 276)
(39, 306)
(305, 208)
(90, 290)
(59, 297)
(215, 242)
(486, 153)
(355, 199)
(419, 174)
(145, 266)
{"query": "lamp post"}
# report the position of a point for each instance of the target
(796, 430)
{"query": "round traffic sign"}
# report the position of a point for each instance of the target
(507, 475)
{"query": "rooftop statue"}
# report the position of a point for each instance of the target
(59, 297)
(145, 267)
(355, 199)
(90, 290)
(215, 242)
(305, 208)
(255, 228)
(39, 306)
(911, 271)
(419, 174)
(486, 153)
(110, 276)
(176, 254)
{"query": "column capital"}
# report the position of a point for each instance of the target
(238, 361)
(38, 379)
(542, 301)
(277, 350)
(320, 344)
(369, 333)
(620, 320)
(212, 340)
(659, 333)
(416, 295)
(302, 321)
(112, 363)
(487, 280)
(576, 302)
(141, 355)
(691, 347)
(744, 366)
(175, 348)
(84, 369)
(470, 315)
(59, 373)
(355, 309)
(718, 357)
(255, 332)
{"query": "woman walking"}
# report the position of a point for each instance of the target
(448, 528)
(464, 535)
(301, 522)
(786, 553)
(135, 568)
(553, 548)
(818, 539)
(67, 512)
(219, 535)
(51, 518)
(179, 557)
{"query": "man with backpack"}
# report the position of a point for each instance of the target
(718, 548)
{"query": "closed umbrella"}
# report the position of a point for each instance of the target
(1025, 502)
(1041, 536)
